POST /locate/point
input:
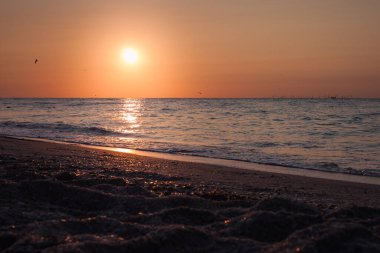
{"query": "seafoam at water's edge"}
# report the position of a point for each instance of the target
(230, 163)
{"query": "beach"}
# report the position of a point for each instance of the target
(66, 198)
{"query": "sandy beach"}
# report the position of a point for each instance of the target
(65, 198)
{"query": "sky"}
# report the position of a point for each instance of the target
(197, 48)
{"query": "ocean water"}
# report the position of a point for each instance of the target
(339, 135)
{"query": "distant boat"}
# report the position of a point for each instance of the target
(332, 97)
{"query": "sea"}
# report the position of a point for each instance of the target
(335, 135)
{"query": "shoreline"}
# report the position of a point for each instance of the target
(66, 198)
(225, 162)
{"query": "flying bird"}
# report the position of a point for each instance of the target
(35, 61)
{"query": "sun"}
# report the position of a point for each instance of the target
(130, 55)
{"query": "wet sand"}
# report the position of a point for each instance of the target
(64, 198)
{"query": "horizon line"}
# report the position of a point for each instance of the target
(285, 97)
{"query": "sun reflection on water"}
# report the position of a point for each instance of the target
(130, 118)
(130, 114)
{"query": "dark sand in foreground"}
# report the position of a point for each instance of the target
(63, 198)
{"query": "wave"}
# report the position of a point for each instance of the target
(62, 127)
(206, 152)
(200, 151)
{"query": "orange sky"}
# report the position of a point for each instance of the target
(287, 48)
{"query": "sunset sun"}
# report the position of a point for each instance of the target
(130, 56)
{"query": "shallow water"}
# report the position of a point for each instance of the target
(340, 135)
